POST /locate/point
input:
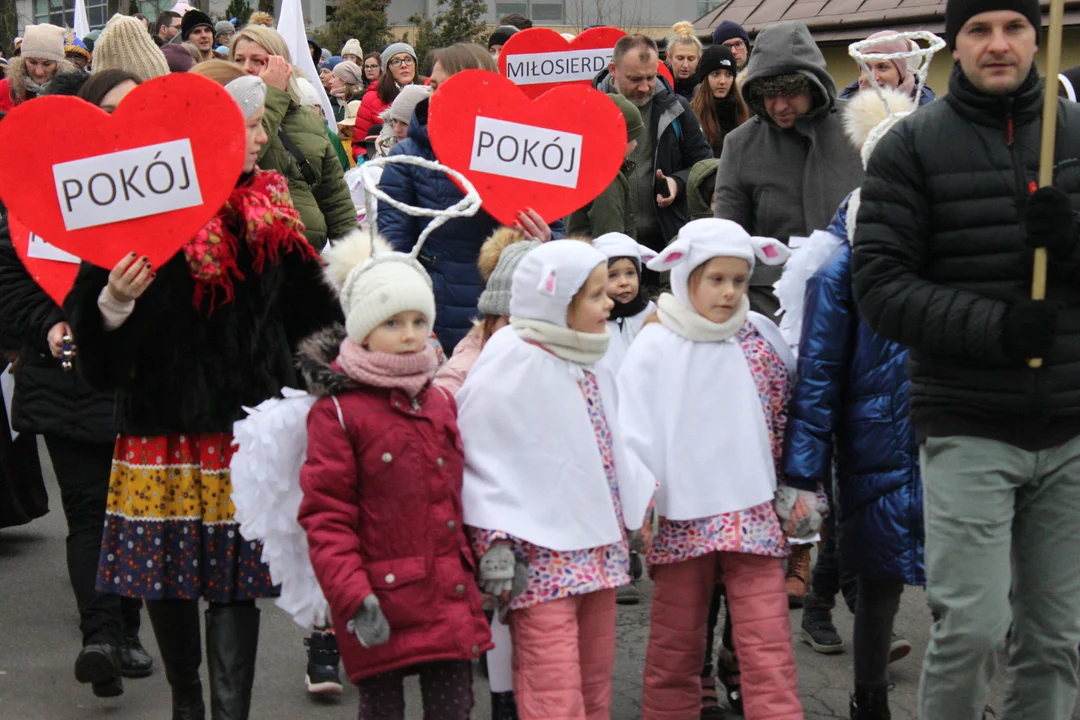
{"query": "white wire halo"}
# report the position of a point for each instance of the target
(466, 207)
(924, 55)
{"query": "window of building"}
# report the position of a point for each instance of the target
(542, 12)
(59, 12)
(704, 7)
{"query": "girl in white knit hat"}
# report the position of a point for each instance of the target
(549, 493)
(382, 491)
(703, 397)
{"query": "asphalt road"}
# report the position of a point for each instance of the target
(39, 639)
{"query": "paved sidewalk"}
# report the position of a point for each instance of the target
(39, 639)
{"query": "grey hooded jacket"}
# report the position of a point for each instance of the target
(779, 183)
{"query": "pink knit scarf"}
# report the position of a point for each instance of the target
(409, 372)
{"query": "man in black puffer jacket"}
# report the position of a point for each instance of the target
(942, 263)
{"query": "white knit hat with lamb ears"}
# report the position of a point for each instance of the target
(702, 240)
(617, 245)
(375, 282)
(548, 277)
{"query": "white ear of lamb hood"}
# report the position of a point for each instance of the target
(702, 240)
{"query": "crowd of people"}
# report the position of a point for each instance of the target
(797, 315)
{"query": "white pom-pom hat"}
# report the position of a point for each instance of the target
(702, 240)
(375, 282)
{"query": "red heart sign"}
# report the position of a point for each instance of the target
(554, 154)
(43, 262)
(540, 59)
(145, 178)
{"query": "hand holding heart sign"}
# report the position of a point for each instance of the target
(145, 178)
(553, 154)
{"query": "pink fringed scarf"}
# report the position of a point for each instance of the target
(409, 372)
(261, 213)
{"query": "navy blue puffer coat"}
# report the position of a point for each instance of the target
(852, 395)
(450, 254)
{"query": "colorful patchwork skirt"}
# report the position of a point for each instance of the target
(169, 528)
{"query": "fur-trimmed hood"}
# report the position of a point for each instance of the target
(315, 358)
(16, 73)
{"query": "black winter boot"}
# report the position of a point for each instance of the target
(870, 703)
(817, 629)
(176, 627)
(232, 639)
(322, 676)
(503, 706)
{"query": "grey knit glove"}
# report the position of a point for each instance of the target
(806, 527)
(501, 572)
(369, 624)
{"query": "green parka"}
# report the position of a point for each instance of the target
(327, 208)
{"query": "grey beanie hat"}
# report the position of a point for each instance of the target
(495, 300)
(395, 49)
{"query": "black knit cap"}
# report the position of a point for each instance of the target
(501, 35)
(193, 19)
(715, 57)
(958, 12)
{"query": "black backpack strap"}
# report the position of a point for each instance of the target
(305, 167)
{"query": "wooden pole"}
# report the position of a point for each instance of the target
(1049, 128)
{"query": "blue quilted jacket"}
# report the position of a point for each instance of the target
(450, 254)
(852, 395)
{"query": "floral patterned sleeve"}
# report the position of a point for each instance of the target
(483, 539)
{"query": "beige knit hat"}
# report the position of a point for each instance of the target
(352, 47)
(125, 45)
(46, 42)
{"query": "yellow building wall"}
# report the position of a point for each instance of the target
(844, 69)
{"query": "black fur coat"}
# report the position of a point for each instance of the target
(179, 369)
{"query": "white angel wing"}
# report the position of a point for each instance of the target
(806, 259)
(271, 446)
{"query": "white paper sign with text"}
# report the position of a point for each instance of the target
(557, 67)
(128, 184)
(44, 250)
(526, 152)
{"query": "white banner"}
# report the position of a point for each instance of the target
(128, 184)
(526, 152)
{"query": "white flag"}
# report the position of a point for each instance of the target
(291, 27)
(82, 25)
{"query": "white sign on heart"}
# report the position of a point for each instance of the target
(557, 67)
(127, 184)
(44, 250)
(526, 152)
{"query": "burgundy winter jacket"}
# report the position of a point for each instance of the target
(382, 513)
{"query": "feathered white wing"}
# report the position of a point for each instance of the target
(271, 446)
(806, 259)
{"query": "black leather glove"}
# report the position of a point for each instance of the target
(1029, 329)
(1049, 222)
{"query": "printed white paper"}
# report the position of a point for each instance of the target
(44, 250)
(527, 152)
(555, 67)
(128, 184)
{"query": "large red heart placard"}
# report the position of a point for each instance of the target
(553, 154)
(540, 59)
(53, 270)
(144, 179)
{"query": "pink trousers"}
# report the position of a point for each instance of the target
(761, 630)
(564, 656)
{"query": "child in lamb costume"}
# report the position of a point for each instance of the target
(704, 400)
(549, 491)
(632, 303)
